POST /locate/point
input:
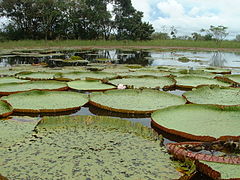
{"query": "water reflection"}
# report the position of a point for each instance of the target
(217, 59)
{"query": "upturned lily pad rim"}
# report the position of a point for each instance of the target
(7, 113)
(5, 93)
(32, 72)
(126, 110)
(42, 111)
(189, 136)
(227, 78)
(202, 86)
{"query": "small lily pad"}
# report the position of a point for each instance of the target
(134, 101)
(214, 95)
(89, 85)
(46, 101)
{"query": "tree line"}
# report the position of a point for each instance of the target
(73, 19)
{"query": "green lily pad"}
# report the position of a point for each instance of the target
(13, 131)
(216, 70)
(8, 72)
(226, 171)
(233, 78)
(10, 88)
(146, 73)
(134, 101)
(6, 80)
(198, 122)
(85, 75)
(89, 147)
(145, 82)
(214, 95)
(89, 85)
(5, 109)
(36, 75)
(46, 101)
(194, 81)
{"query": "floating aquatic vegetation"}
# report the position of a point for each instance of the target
(233, 78)
(214, 95)
(145, 82)
(11, 88)
(190, 82)
(89, 85)
(134, 101)
(199, 122)
(89, 147)
(46, 101)
(183, 59)
(154, 73)
(5, 109)
(216, 70)
(6, 80)
(36, 75)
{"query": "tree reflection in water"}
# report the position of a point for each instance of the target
(217, 59)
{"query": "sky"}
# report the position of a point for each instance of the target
(189, 16)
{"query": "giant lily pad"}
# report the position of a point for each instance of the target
(146, 73)
(5, 109)
(214, 95)
(89, 147)
(46, 101)
(11, 88)
(199, 122)
(85, 75)
(233, 78)
(89, 85)
(216, 70)
(35, 75)
(146, 82)
(194, 81)
(5, 80)
(134, 101)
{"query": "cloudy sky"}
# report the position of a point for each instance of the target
(191, 15)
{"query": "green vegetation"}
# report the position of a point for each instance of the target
(5, 109)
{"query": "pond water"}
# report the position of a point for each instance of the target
(143, 57)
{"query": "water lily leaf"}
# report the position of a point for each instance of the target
(233, 78)
(10, 88)
(36, 75)
(214, 95)
(219, 170)
(198, 122)
(89, 85)
(5, 80)
(101, 147)
(146, 73)
(5, 109)
(216, 70)
(194, 81)
(134, 101)
(46, 101)
(85, 75)
(146, 82)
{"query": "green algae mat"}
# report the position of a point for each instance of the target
(134, 101)
(194, 81)
(199, 122)
(5, 80)
(36, 75)
(89, 147)
(89, 85)
(46, 101)
(214, 95)
(145, 82)
(5, 109)
(10, 88)
(85, 75)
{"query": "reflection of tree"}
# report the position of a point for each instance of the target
(217, 60)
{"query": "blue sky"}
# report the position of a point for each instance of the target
(191, 15)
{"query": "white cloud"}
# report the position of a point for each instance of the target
(191, 15)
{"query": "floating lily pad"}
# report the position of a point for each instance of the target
(89, 85)
(145, 82)
(216, 70)
(194, 81)
(6, 80)
(198, 122)
(134, 101)
(101, 147)
(233, 78)
(214, 95)
(46, 101)
(10, 88)
(146, 73)
(5, 109)
(36, 75)
(219, 170)
(8, 72)
(85, 75)
(13, 131)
